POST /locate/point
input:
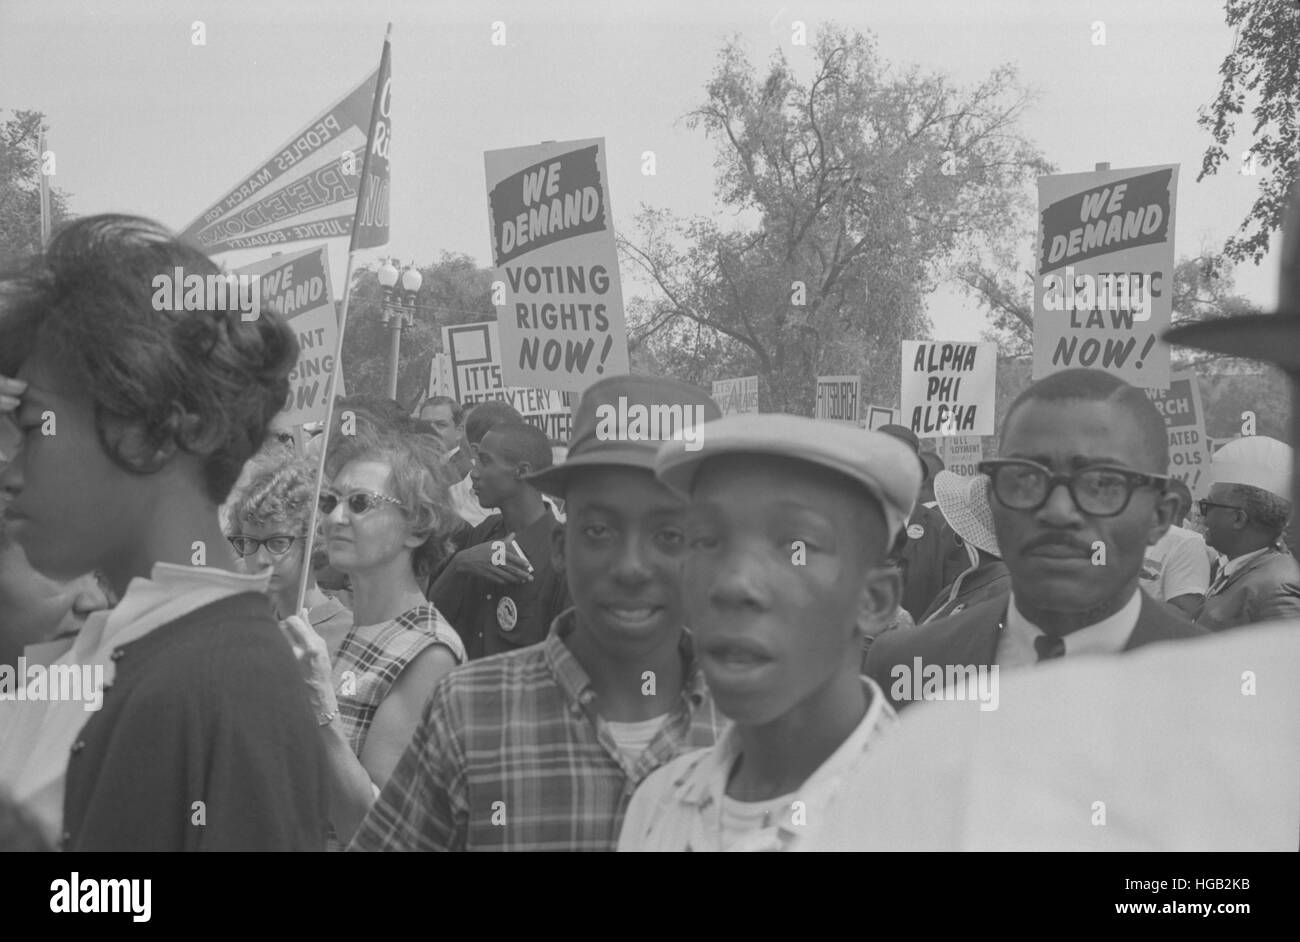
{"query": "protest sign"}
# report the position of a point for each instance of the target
(440, 382)
(736, 395)
(560, 301)
(948, 388)
(837, 398)
(961, 453)
(879, 415)
(298, 287)
(474, 357)
(1189, 447)
(1105, 272)
(307, 189)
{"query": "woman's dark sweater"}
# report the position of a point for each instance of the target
(205, 741)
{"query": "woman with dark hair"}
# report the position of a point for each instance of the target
(267, 520)
(136, 419)
(386, 516)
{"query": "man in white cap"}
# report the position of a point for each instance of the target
(1245, 514)
(791, 522)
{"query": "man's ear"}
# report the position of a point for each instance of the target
(1166, 509)
(557, 547)
(522, 470)
(881, 591)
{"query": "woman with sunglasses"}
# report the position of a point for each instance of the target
(267, 526)
(386, 514)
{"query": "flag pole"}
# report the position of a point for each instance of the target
(338, 348)
(325, 436)
(46, 221)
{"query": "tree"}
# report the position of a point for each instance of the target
(20, 188)
(455, 291)
(851, 193)
(1265, 61)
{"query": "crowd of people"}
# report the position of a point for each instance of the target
(509, 643)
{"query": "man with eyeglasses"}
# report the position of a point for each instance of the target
(1247, 510)
(1079, 493)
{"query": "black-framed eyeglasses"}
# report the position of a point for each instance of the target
(359, 502)
(1098, 491)
(1203, 506)
(247, 546)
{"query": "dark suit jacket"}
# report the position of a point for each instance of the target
(1266, 588)
(971, 639)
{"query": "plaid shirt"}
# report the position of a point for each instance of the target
(373, 656)
(512, 755)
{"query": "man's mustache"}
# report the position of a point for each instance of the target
(1057, 539)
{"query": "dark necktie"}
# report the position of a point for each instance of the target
(1049, 646)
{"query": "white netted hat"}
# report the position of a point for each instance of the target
(964, 503)
(1255, 461)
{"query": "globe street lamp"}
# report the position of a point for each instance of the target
(398, 307)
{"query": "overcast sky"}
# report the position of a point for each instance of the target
(143, 121)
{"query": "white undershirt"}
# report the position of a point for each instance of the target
(633, 738)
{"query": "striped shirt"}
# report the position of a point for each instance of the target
(511, 754)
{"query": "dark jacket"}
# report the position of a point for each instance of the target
(492, 617)
(1266, 588)
(212, 709)
(971, 638)
(990, 581)
(929, 560)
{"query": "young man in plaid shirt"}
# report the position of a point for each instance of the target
(541, 748)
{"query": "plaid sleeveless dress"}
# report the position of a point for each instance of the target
(373, 656)
(370, 660)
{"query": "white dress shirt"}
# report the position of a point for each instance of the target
(1108, 636)
(36, 735)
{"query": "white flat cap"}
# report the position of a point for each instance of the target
(882, 465)
(1256, 461)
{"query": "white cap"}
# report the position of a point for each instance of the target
(1255, 461)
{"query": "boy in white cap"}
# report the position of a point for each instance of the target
(790, 525)
(1247, 510)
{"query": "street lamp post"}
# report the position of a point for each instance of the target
(399, 311)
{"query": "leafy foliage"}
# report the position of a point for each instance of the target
(20, 188)
(850, 194)
(455, 291)
(1265, 62)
